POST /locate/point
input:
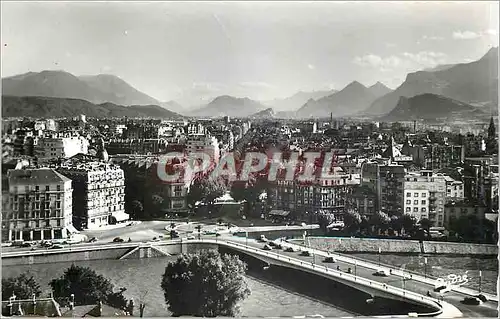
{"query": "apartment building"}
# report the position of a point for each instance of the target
(424, 197)
(98, 193)
(454, 189)
(205, 143)
(39, 205)
(386, 180)
(63, 145)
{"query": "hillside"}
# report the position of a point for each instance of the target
(474, 83)
(45, 107)
(379, 89)
(229, 106)
(430, 107)
(60, 84)
(264, 114)
(351, 99)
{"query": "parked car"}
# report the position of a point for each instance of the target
(329, 259)
(380, 273)
(290, 250)
(46, 244)
(442, 289)
(191, 237)
(266, 247)
(305, 253)
(118, 240)
(24, 245)
(56, 247)
(263, 239)
(93, 240)
(471, 301)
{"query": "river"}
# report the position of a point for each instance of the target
(142, 279)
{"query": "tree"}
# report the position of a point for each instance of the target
(205, 189)
(380, 221)
(352, 220)
(136, 209)
(23, 286)
(408, 222)
(205, 284)
(426, 224)
(88, 288)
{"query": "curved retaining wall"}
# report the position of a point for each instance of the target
(368, 245)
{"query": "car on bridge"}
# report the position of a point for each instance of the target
(305, 253)
(118, 240)
(266, 247)
(380, 273)
(289, 249)
(329, 259)
(93, 240)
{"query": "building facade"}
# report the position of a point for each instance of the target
(425, 194)
(98, 196)
(39, 205)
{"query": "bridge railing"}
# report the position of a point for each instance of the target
(431, 280)
(312, 267)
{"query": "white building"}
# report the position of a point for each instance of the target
(454, 189)
(61, 146)
(99, 193)
(39, 207)
(424, 196)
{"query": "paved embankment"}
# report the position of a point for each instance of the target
(369, 245)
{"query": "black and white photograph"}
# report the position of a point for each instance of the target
(259, 159)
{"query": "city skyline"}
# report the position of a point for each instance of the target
(257, 50)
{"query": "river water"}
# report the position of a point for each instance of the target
(442, 266)
(142, 278)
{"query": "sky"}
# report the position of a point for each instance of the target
(262, 50)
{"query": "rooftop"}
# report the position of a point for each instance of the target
(35, 176)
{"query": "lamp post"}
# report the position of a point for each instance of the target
(425, 267)
(480, 280)
(379, 252)
(355, 267)
(246, 238)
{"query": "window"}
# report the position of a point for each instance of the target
(408, 209)
(37, 188)
(415, 209)
(58, 188)
(424, 195)
(415, 195)
(424, 209)
(92, 221)
(408, 194)
(408, 201)
(47, 188)
(423, 202)
(415, 202)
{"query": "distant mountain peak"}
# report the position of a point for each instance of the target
(356, 85)
(492, 53)
(61, 84)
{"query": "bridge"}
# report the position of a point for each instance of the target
(399, 285)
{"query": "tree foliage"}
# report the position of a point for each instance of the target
(22, 286)
(88, 287)
(205, 189)
(205, 284)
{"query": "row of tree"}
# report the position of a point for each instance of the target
(206, 284)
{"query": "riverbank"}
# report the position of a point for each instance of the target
(394, 246)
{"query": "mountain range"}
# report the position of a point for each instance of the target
(96, 89)
(430, 106)
(353, 98)
(474, 83)
(226, 105)
(294, 102)
(45, 107)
